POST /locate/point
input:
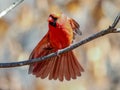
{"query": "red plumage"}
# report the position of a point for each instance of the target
(60, 35)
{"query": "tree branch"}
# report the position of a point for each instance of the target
(4, 12)
(110, 29)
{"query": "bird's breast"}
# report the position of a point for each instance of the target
(60, 37)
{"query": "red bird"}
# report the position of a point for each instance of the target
(60, 35)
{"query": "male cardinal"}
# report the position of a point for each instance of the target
(60, 35)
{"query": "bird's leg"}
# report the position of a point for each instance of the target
(58, 52)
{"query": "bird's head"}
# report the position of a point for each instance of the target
(52, 19)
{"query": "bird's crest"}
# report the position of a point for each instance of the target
(55, 11)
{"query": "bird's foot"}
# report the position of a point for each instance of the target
(58, 52)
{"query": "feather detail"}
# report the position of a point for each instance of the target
(71, 67)
(75, 26)
(64, 66)
(47, 69)
(52, 69)
(56, 68)
(39, 51)
(61, 67)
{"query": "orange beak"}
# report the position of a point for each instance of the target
(50, 19)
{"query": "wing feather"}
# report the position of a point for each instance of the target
(75, 26)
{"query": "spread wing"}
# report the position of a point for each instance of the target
(75, 26)
(40, 50)
(44, 43)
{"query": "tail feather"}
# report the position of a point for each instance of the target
(74, 66)
(38, 68)
(59, 67)
(71, 68)
(78, 65)
(56, 68)
(52, 68)
(66, 67)
(43, 68)
(47, 69)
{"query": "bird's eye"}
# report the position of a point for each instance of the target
(55, 18)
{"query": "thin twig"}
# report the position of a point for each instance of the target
(4, 12)
(111, 29)
(116, 21)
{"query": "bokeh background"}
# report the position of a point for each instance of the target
(23, 27)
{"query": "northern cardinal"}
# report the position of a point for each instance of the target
(60, 35)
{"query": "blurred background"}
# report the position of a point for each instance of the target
(23, 27)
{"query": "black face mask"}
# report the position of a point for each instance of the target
(54, 22)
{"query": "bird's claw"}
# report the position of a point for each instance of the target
(58, 52)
